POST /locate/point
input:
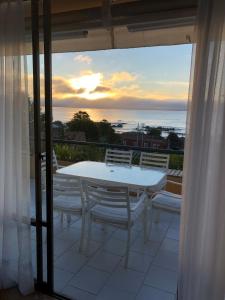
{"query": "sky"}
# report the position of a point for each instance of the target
(139, 78)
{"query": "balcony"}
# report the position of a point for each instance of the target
(152, 269)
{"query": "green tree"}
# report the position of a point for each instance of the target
(174, 141)
(154, 132)
(107, 133)
(81, 122)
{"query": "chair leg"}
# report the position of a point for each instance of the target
(62, 216)
(157, 217)
(81, 247)
(68, 217)
(88, 235)
(104, 227)
(150, 216)
(127, 248)
(145, 224)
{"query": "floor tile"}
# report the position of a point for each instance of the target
(72, 234)
(104, 261)
(173, 234)
(149, 248)
(61, 246)
(158, 232)
(126, 280)
(170, 245)
(162, 279)
(100, 235)
(138, 261)
(71, 261)
(77, 294)
(122, 235)
(61, 278)
(167, 260)
(92, 249)
(90, 280)
(115, 246)
(110, 293)
(150, 293)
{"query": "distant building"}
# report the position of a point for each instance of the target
(143, 140)
(75, 135)
(57, 131)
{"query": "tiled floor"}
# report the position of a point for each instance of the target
(152, 270)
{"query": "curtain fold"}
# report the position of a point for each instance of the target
(15, 241)
(202, 245)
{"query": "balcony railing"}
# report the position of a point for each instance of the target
(75, 151)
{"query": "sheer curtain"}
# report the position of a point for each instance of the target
(15, 245)
(202, 250)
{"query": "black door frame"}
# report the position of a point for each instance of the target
(38, 222)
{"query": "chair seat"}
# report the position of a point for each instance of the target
(168, 201)
(68, 203)
(117, 215)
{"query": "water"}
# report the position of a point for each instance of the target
(132, 118)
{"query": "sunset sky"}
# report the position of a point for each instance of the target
(155, 77)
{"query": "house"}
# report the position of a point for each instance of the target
(143, 140)
(75, 135)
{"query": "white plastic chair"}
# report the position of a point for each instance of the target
(55, 164)
(154, 160)
(113, 156)
(166, 201)
(68, 199)
(113, 206)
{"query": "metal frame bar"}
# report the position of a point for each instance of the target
(37, 142)
(48, 139)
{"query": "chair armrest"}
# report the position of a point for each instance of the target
(174, 182)
(162, 192)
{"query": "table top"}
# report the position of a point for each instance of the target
(133, 176)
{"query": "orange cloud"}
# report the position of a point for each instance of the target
(122, 76)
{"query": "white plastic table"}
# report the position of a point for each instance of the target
(131, 176)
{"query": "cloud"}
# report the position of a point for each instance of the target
(172, 83)
(122, 76)
(83, 58)
(61, 87)
(101, 89)
(123, 103)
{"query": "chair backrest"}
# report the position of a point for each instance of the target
(118, 156)
(43, 161)
(154, 160)
(106, 195)
(66, 185)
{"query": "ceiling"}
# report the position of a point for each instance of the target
(104, 24)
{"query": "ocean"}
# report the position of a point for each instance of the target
(131, 118)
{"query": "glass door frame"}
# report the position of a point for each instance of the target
(48, 286)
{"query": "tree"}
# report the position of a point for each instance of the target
(107, 133)
(81, 115)
(174, 141)
(81, 122)
(154, 132)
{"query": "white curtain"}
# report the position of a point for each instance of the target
(202, 250)
(15, 244)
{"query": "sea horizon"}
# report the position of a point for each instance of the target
(132, 118)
